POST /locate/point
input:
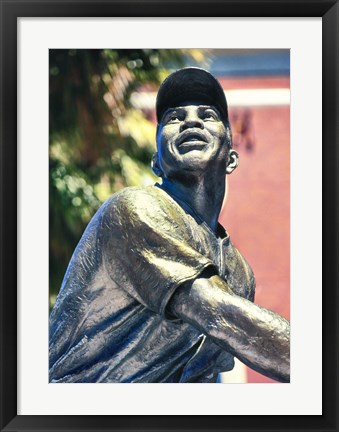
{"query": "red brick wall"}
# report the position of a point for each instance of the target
(257, 211)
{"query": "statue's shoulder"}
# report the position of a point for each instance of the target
(131, 197)
(134, 201)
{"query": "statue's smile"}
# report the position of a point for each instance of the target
(191, 136)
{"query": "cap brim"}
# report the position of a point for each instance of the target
(190, 85)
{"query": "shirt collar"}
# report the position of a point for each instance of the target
(220, 233)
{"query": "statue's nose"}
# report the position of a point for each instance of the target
(192, 121)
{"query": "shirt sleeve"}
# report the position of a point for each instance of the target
(149, 246)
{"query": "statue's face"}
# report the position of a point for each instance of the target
(190, 139)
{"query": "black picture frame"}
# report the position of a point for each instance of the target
(10, 11)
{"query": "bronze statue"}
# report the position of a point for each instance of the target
(155, 290)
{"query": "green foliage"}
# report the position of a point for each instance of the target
(99, 142)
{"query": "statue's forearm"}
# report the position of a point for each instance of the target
(257, 336)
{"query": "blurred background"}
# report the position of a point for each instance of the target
(102, 136)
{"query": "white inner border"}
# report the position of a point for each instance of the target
(303, 395)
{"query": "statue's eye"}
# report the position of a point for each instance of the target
(210, 114)
(173, 118)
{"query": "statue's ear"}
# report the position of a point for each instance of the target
(155, 165)
(233, 161)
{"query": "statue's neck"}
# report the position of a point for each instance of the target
(204, 196)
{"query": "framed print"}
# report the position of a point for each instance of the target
(309, 32)
(86, 171)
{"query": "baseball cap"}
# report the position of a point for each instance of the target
(190, 84)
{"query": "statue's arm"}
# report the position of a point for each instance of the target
(257, 336)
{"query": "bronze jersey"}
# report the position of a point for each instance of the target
(110, 322)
